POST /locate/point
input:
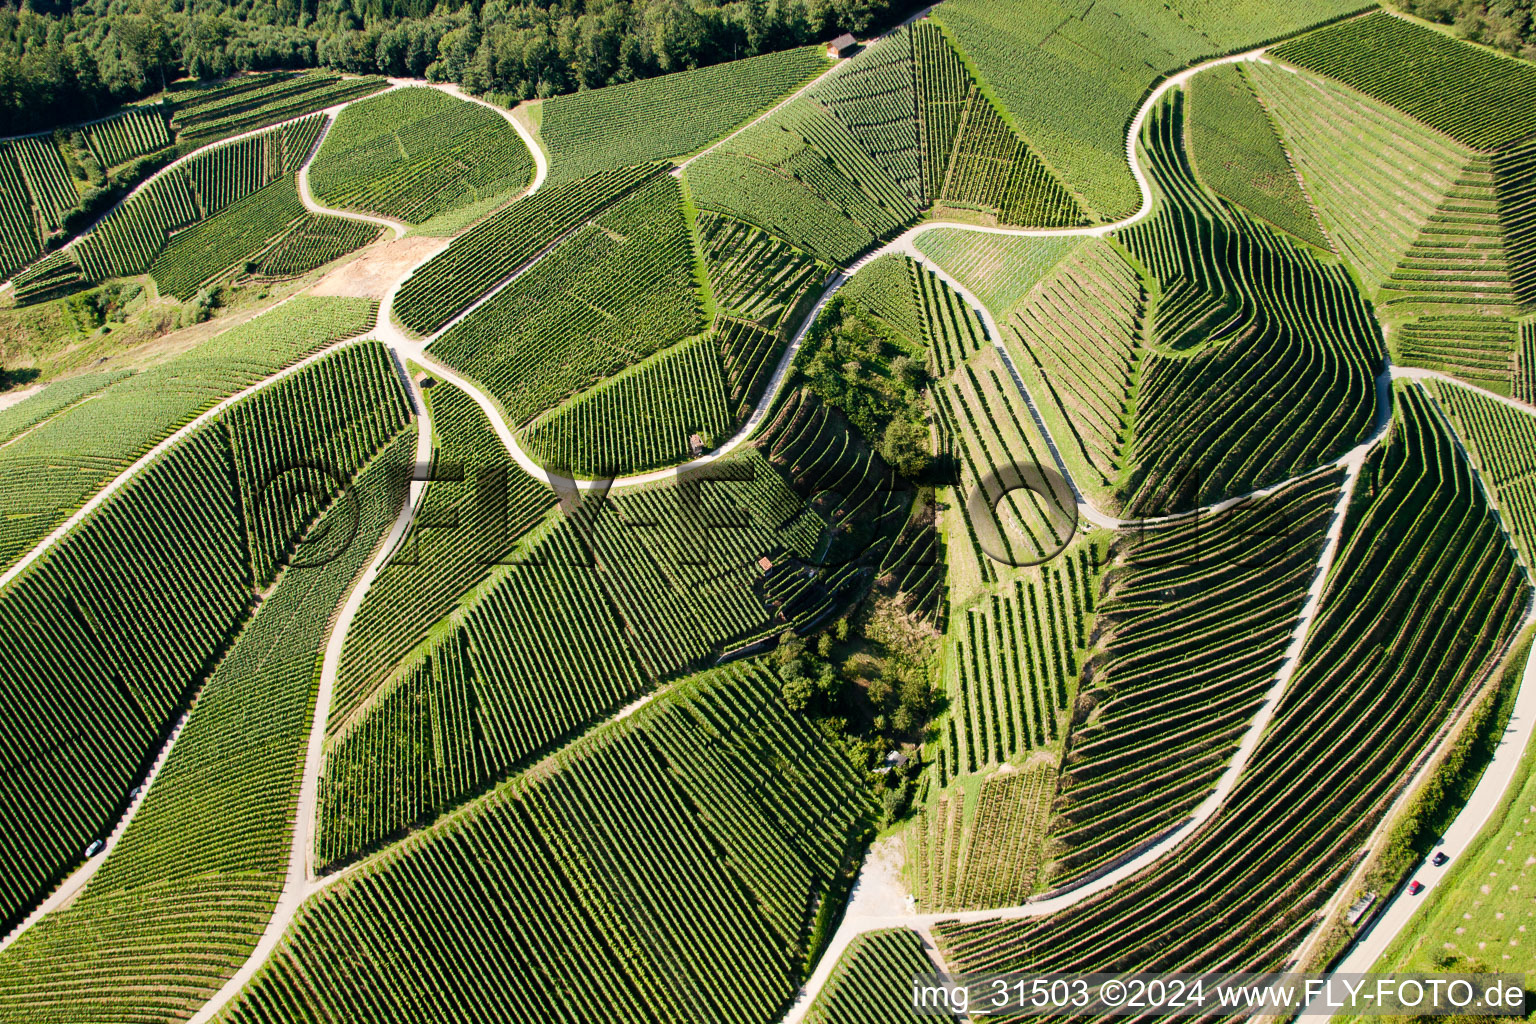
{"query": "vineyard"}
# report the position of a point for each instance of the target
(580, 617)
(991, 857)
(860, 988)
(1350, 722)
(1070, 76)
(493, 249)
(1494, 100)
(249, 102)
(205, 853)
(125, 659)
(35, 193)
(1192, 630)
(669, 116)
(631, 816)
(1479, 350)
(1018, 653)
(415, 153)
(133, 133)
(930, 558)
(644, 417)
(134, 237)
(1504, 442)
(754, 275)
(1233, 293)
(53, 469)
(1000, 270)
(1237, 155)
(1078, 335)
(956, 151)
(617, 290)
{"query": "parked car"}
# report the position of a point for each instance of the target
(1415, 887)
(90, 851)
(1439, 858)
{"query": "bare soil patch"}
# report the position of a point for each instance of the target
(371, 274)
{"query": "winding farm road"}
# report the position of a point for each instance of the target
(301, 881)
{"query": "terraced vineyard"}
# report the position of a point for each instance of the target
(1351, 720)
(54, 468)
(208, 848)
(804, 522)
(1229, 295)
(659, 118)
(414, 153)
(1493, 96)
(1191, 634)
(128, 658)
(499, 245)
(617, 290)
(727, 933)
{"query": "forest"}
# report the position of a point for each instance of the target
(62, 62)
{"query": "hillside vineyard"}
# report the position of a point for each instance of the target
(1030, 487)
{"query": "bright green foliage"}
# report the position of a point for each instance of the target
(986, 423)
(913, 107)
(1525, 362)
(1016, 658)
(1459, 258)
(19, 243)
(1237, 154)
(1196, 622)
(229, 238)
(715, 819)
(1476, 96)
(126, 614)
(801, 175)
(1070, 75)
(313, 242)
(993, 171)
(995, 862)
(872, 981)
(1504, 442)
(1239, 412)
(1480, 350)
(493, 249)
(1424, 594)
(887, 288)
(249, 102)
(477, 505)
(1514, 174)
(874, 96)
(639, 419)
(134, 132)
(999, 270)
(55, 273)
(588, 614)
(54, 398)
(56, 467)
(130, 238)
(618, 290)
(1375, 175)
(754, 274)
(749, 354)
(184, 897)
(1079, 335)
(35, 193)
(42, 166)
(415, 153)
(668, 116)
(297, 443)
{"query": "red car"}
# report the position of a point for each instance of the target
(1415, 887)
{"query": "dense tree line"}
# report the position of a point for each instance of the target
(1508, 25)
(62, 62)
